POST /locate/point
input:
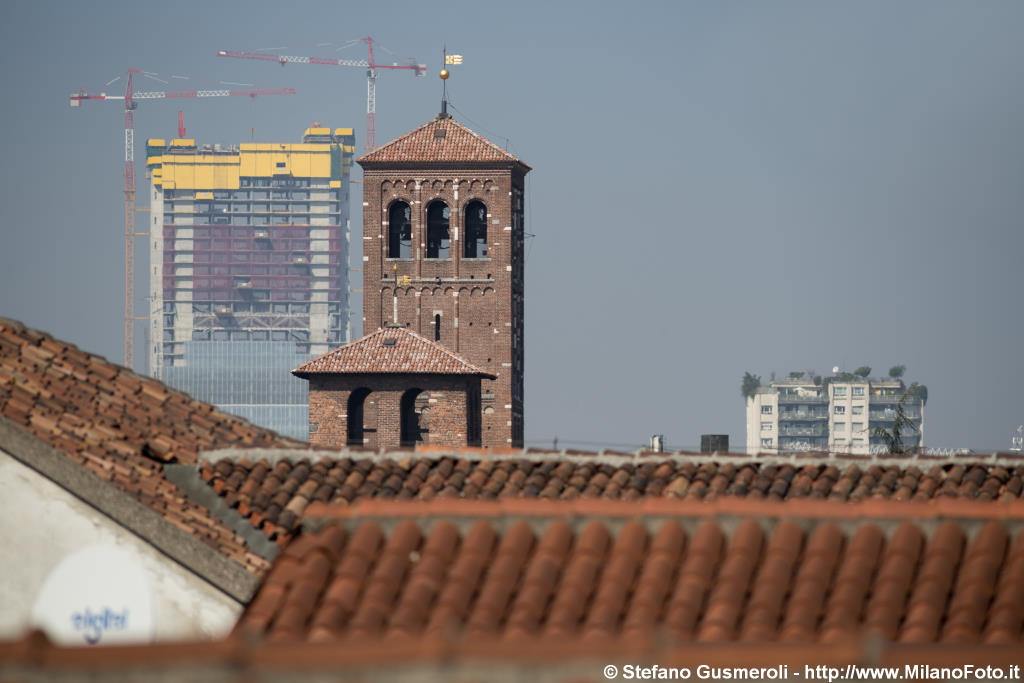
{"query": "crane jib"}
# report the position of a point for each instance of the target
(371, 74)
(160, 94)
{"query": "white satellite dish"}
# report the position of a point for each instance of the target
(96, 595)
(835, 370)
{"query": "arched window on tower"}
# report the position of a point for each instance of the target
(399, 231)
(437, 230)
(475, 245)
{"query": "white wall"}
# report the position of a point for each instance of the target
(41, 523)
(755, 418)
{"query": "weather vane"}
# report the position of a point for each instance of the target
(447, 60)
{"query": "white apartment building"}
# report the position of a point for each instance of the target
(797, 415)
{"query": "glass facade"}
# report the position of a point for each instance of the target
(249, 270)
(249, 379)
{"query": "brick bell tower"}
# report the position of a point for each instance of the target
(443, 238)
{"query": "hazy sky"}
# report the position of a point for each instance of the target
(717, 187)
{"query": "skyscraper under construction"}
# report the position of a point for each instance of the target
(249, 256)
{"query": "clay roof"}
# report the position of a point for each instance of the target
(391, 350)
(439, 657)
(122, 427)
(273, 493)
(735, 570)
(438, 141)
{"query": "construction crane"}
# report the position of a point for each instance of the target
(130, 98)
(369, 63)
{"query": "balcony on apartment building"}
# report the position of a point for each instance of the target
(801, 398)
(802, 415)
(788, 430)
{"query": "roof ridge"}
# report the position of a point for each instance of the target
(639, 457)
(318, 514)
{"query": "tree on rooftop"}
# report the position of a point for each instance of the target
(901, 425)
(918, 391)
(897, 371)
(863, 371)
(796, 374)
(750, 384)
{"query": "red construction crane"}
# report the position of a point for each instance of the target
(129, 98)
(369, 63)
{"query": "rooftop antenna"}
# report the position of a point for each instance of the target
(1017, 441)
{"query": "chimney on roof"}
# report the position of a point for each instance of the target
(714, 443)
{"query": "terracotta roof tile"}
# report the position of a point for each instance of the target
(705, 572)
(444, 657)
(439, 141)
(391, 350)
(121, 426)
(282, 493)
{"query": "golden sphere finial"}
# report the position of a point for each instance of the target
(444, 74)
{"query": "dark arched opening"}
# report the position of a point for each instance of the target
(475, 245)
(473, 414)
(409, 416)
(438, 236)
(399, 231)
(356, 415)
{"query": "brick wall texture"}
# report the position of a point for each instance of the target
(448, 408)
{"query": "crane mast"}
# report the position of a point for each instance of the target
(129, 224)
(130, 97)
(371, 99)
